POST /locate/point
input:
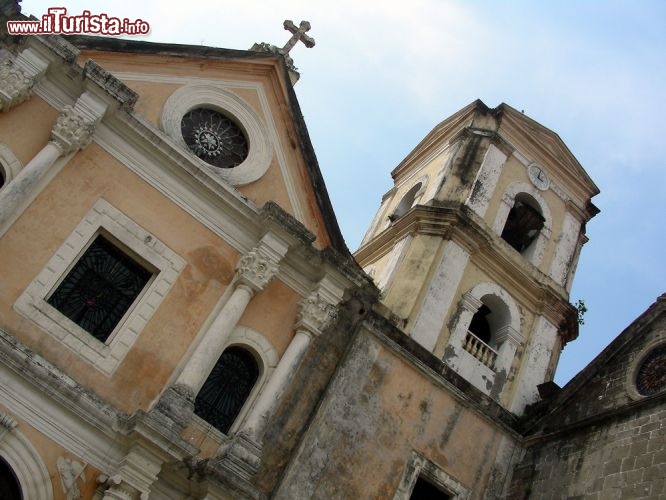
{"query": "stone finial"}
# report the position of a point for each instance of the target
(256, 269)
(315, 313)
(15, 85)
(298, 34)
(72, 130)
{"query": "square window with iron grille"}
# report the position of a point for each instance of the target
(100, 288)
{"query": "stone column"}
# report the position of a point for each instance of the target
(241, 455)
(314, 316)
(254, 272)
(72, 131)
(18, 77)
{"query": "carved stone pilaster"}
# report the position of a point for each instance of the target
(256, 269)
(72, 130)
(15, 85)
(315, 314)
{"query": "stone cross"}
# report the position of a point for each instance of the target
(298, 34)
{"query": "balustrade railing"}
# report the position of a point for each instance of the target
(480, 350)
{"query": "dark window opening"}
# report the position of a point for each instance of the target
(100, 288)
(406, 203)
(479, 325)
(2, 177)
(522, 226)
(10, 489)
(423, 490)
(227, 388)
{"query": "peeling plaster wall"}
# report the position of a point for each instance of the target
(378, 410)
(486, 181)
(441, 292)
(565, 249)
(535, 371)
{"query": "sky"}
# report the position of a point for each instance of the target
(383, 74)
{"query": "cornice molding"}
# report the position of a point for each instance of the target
(458, 223)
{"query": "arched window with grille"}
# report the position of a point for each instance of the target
(227, 388)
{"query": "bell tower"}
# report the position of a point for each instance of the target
(476, 245)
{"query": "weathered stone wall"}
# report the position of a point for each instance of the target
(624, 457)
(599, 438)
(386, 403)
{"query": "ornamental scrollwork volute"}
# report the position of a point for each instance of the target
(256, 270)
(315, 314)
(15, 85)
(72, 130)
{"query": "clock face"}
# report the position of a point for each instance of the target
(538, 177)
(651, 374)
(214, 138)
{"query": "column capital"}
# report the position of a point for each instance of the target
(471, 303)
(15, 85)
(315, 314)
(72, 130)
(114, 488)
(508, 333)
(256, 269)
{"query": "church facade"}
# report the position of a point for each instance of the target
(180, 317)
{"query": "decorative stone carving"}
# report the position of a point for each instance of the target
(72, 130)
(470, 303)
(298, 34)
(7, 424)
(70, 472)
(315, 313)
(15, 85)
(256, 270)
(114, 488)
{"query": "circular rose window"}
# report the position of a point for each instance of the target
(651, 373)
(214, 138)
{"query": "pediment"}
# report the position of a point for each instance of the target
(254, 91)
(542, 145)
